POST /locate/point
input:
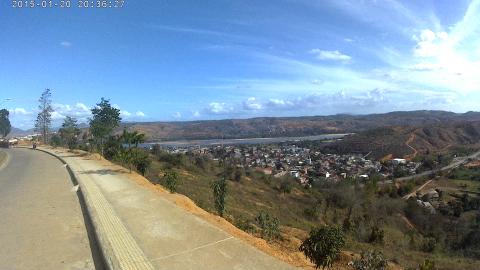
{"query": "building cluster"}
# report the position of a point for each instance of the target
(306, 165)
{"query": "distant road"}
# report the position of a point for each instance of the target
(41, 225)
(454, 164)
(411, 194)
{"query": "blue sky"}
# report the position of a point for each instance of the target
(175, 60)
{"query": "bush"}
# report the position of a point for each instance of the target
(244, 225)
(269, 225)
(140, 160)
(312, 212)
(56, 141)
(371, 260)
(427, 265)
(219, 194)
(323, 245)
(428, 244)
(285, 186)
(170, 180)
(112, 149)
(376, 235)
(237, 176)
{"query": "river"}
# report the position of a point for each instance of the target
(213, 142)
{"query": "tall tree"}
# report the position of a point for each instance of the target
(105, 119)
(5, 126)
(44, 117)
(69, 131)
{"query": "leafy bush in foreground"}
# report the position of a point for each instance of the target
(323, 245)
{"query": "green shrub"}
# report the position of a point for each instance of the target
(370, 260)
(428, 244)
(312, 212)
(56, 141)
(170, 180)
(244, 225)
(427, 265)
(219, 194)
(140, 160)
(376, 235)
(323, 246)
(269, 226)
(285, 186)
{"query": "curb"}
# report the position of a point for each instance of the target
(118, 248)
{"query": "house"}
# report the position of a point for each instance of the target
(398, 161)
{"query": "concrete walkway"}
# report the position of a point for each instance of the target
(168, 236)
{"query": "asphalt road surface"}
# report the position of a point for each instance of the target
(41, 220)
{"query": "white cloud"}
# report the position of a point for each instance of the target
(57, 116)
(330, 55)
(177, 115)
(252, 104)
(280, 103)
(66, 43)
(140, 114)
(19, 111)
(82, 107)
(431, 44)
(196, 114)
(218, 108)
(125, 113)
(79, 111)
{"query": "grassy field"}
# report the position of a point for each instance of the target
(246, 198)
(256, 192)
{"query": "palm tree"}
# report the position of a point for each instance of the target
(132, 138)
(126, 137)
(138, 138)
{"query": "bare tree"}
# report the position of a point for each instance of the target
(44, 117)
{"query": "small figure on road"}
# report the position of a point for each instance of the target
(34, 145)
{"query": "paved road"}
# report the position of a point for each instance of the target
(41, 221)
(455, 163)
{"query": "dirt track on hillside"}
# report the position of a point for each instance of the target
(407, 143)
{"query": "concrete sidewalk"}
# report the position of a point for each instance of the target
(168, 237)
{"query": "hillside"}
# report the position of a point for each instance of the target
(292, 126)
(405, 141)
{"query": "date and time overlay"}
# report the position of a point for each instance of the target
(85, 4)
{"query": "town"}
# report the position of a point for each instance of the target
(304, 164)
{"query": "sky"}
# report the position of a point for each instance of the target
(179, 60)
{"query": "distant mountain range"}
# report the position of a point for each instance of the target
(292, 126)
(17, 132)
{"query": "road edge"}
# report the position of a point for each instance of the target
(115, 256)
(5, 160)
